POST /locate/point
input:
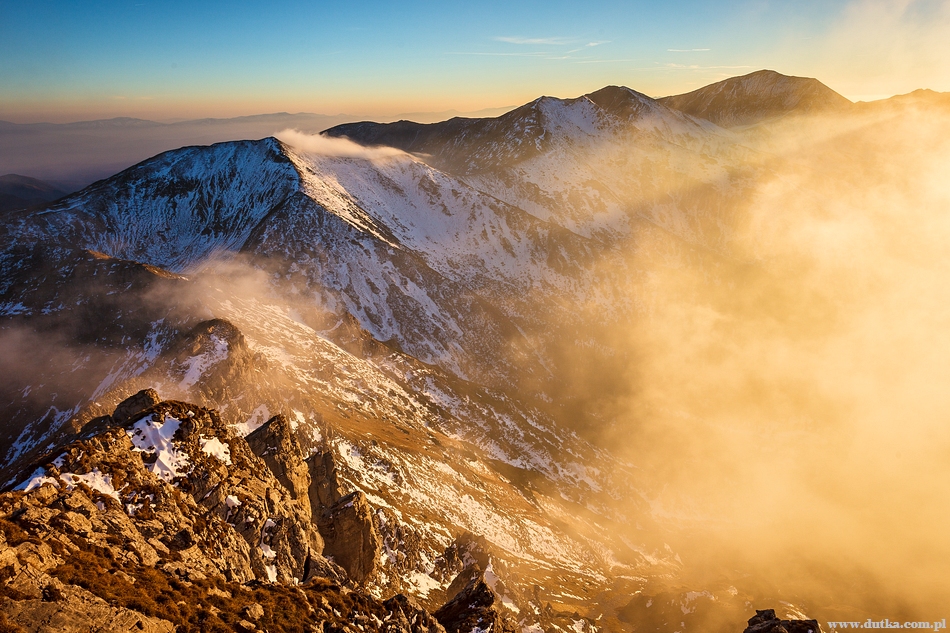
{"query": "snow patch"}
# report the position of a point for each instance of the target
(196, 366)
(94, 479)
(422, 584)
(151, 436)
(216, 448)
(259, 416)
(37, 479)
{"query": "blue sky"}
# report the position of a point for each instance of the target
(68, 60)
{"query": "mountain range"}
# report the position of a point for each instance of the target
(79, 153)
(337, 371)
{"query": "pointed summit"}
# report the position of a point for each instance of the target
(622, 101)
(749, 99)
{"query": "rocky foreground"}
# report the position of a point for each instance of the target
(159, 518)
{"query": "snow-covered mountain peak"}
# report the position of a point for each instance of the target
(175, 209)
(466, 146)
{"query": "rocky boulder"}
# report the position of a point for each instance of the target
(325, 489)
(275, 443)
(765, 621)
(474, 607)
(351, 537)
(134, 405)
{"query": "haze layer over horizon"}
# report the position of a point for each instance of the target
(182, 61)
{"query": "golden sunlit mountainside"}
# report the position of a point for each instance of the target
(595, 364)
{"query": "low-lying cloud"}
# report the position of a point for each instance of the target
(333, 146)
(788, 403)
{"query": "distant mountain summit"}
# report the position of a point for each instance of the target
(764, 94)
(462, 145)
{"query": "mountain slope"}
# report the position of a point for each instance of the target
(413, 331)
(599, 165)
(18, 192)
(355, 298)
(172, 210)
(756, 97)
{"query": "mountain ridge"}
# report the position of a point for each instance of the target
(758, 96)
(438, 339)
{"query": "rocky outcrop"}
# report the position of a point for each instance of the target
(474, 607)
(351, 537)
(765, 621)
(180, 490)
(157, 518)
(212, 360)
(407, 613)
(274, 442)
(42, 603)
(134, 405)
(325, 489)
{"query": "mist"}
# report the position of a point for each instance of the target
(785, 399)
(334, 146)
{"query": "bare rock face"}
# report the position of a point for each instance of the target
(351, 537)
(765, 621)
(474, 608)
(134, 404)
(325, 489)
(229, 364)
(275, 443)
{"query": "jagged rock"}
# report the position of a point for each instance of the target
(351, 537)
(135, 404)
(409, 616)
(223, 350)
(171, 508)
(473, 607)
(463, 560)
(275, 443)
(406, 558)
(325, 489)
(765, 621)
(470, 573)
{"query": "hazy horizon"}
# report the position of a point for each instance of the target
(178, 61)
